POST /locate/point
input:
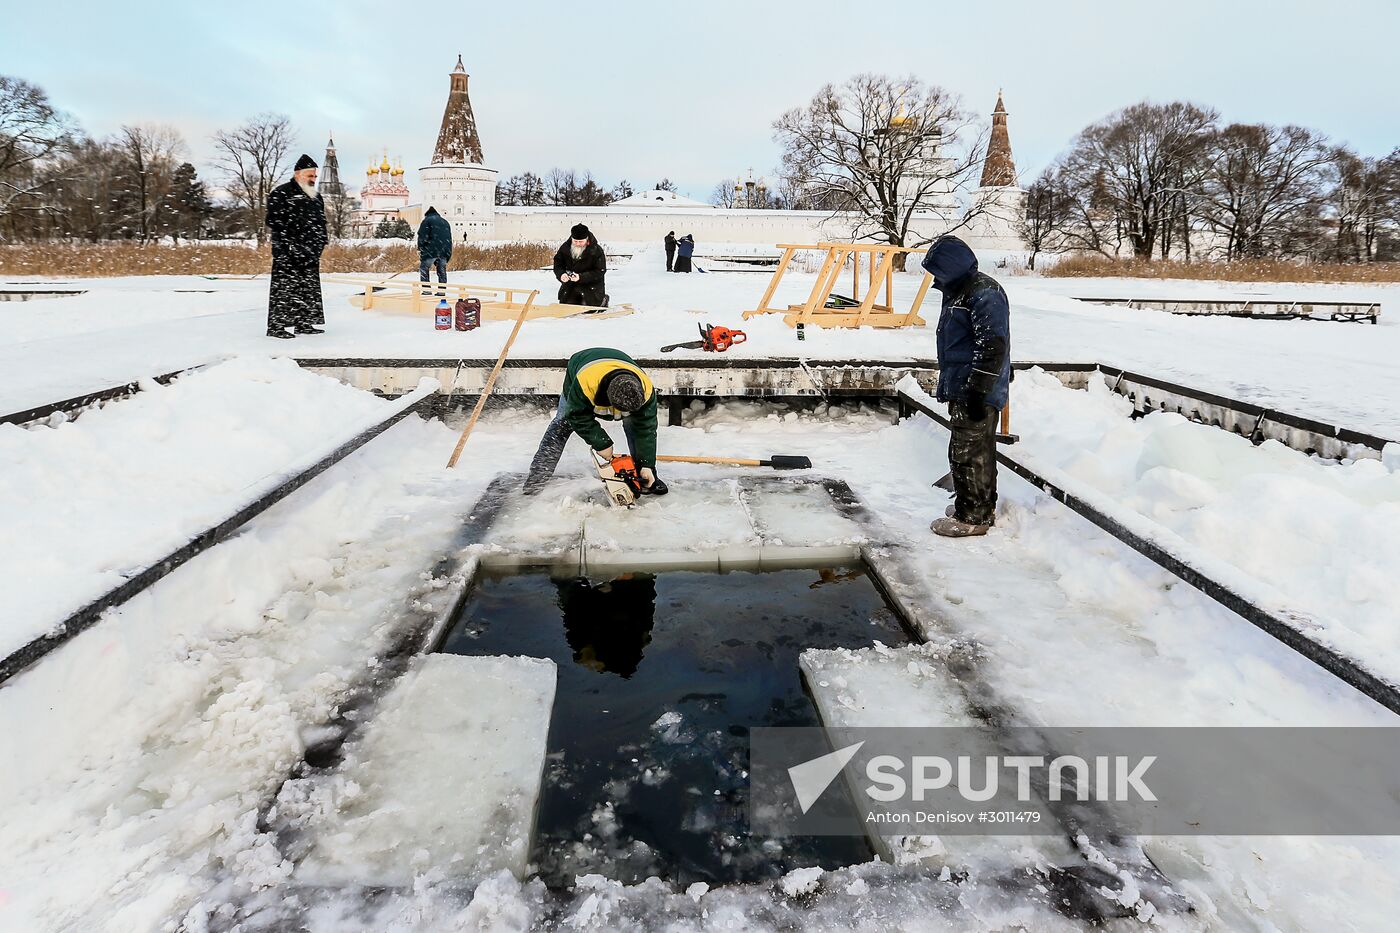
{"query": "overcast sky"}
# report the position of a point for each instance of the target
(644, 90)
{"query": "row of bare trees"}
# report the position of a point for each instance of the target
(56, 181)
(1168, 180)
(564, 187)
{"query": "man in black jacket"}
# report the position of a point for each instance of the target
(434, 246)
(974, 378)
(580, 266)
(670, 250)
(296, 216)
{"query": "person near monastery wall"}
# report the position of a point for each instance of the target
(670, 249)
(296, 218)
(685, 246)
(434, 245)
(974, 378)
(580, 266)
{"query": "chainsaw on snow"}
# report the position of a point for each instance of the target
(713, 339)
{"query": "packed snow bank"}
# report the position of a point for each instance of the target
(118, 488)
(909, 686)
(139, 754)
(1324, 534)
(474, 724)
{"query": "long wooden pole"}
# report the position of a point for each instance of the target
(491, 381)
(734, 461)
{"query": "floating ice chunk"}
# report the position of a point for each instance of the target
(801, 881)
(670, 729)
(907, 686)
(445, 779)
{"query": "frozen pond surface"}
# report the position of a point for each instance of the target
(660, 679)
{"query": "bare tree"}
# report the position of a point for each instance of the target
(723, 193)
(84, 194)
(339, 209)
(874, 146)
(253, 157)
(1260, 182)
(1048, 217)
(1361, 200)
(149, 160)
(560, 187)
(1128, 172)
(31, 131)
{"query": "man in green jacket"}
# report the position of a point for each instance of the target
(606, 384)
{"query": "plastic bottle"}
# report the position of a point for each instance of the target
(467, 314)
(443, 316)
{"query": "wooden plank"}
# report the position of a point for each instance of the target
(886, 271)
(812, 300)
(840, 319)
(763, 306)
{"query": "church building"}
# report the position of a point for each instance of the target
(463, 189)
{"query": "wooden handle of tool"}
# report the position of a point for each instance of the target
(730, 460)
(491, 381)
(1006, 418)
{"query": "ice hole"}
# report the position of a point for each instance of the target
(660, 678)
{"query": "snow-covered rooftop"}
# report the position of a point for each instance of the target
(659, 198)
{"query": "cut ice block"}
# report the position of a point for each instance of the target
(909, 687)
(695, 518)
(544, 529)
(445, 781)
(800, 515)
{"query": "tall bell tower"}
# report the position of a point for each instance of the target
(998, 203)
(457, 181)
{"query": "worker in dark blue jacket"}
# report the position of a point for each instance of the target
(434, 245)
(974, 376)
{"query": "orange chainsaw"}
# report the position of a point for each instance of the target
(713, 339)
(620, 477)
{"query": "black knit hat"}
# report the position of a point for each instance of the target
(305, 162)
(625, 392)
(579, 232)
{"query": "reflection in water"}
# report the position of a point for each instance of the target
(660, 679)
(608, 625)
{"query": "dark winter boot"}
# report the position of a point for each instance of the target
(957, 528)
(281, 334)
(657, 488)
(308, 329)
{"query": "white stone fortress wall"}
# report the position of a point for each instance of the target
(465, 195)
(613, 224)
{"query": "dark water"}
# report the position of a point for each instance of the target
(660, 679)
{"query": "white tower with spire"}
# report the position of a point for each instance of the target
(998, 204)
(457, 182)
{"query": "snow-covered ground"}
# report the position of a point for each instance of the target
(1324, 534)
(124, 329)
(139, 755)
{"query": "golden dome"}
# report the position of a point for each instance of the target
(398, 167)
(384, 166)
(372, 170)
(901, 118)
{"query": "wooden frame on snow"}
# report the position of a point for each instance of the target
(824, 309)
(497, 304)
